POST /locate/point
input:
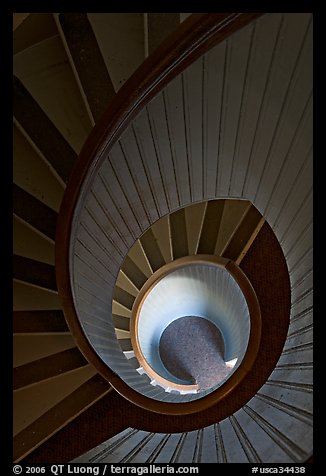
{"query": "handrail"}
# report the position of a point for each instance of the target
(196, 35)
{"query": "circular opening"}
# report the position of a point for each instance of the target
(194, 295)
(193, 349)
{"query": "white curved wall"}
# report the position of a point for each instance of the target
(196, 290)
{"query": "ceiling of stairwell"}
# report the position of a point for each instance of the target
(282, 104)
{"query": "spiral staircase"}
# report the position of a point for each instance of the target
(202, 149)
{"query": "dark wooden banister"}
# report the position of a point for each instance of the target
(196, 35)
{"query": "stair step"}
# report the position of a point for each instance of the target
(194, 221)
(125, 344)
(39, 322)
(45, 71)
(134, 362)
(211, 227)
(30, 347)
(152, 250)
(183, 16)
(33, 174)
(31, 298)
(122, 297)
(47, 367)
(160, 25)
(18, 19)
(244, 235)
(42, 131)
(161, 233)
(121, 322)
(27, 241)
(88, 61)
(35, 213)
(60, 415)
(136, 253)
(124, 283)
(122, 334)
(133, 273)
(233, 214)
(178, 229)
(35, 27)
(120, 37)
(34, 272)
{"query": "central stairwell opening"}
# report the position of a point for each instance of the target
(200, 286)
